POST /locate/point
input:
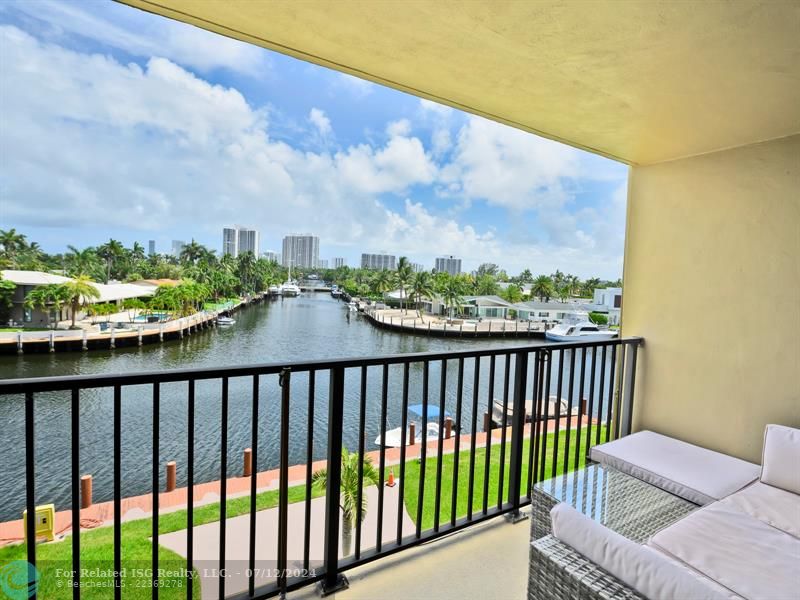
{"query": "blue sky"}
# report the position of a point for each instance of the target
(117, 123)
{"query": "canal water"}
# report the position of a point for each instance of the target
(308, 327)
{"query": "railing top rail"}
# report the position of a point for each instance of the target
(46, 384)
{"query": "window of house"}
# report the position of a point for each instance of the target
(544, 314)
(27, 315)
(617, 301)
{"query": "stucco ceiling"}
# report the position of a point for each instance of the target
(640, 81)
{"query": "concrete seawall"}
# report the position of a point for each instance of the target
(409, 322)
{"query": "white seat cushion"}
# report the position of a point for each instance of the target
(750, 558)
(770, 505)
(691, 472)
(648, 572)
(781, 458)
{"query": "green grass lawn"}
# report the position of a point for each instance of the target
(97, 545)
(412, 477)
(97, 552)
(225, 303)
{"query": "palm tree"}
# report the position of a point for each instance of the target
(192, 252)
(542, 288)
(485, 285)
(381, 282)
(403, 276)
(82, 262)
(563, 292)
(13, 243)
(526, 276)
(78, 292)
(111, 251)
(513, 293)
(349, 491)
(451, 291)
(422, 287)
(488, 269)
(49, 298)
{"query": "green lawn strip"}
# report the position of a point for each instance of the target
(412, 476)
(97, 552)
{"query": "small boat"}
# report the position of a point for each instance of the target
(225, 321)
(394, 437)
(554, 406)
(584, 331)
(353, 306)
(274, 290)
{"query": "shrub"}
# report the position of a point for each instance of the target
(598, 318)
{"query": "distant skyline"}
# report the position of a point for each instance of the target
(118, 123)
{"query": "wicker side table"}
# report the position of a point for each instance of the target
(624, 504)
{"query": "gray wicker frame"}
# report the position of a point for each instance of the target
(629, 506)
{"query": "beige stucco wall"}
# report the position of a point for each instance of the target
(712, 282)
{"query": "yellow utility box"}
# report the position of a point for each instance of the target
(45, 522)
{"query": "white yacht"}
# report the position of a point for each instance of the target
(290, 288)
(583, 331)
(274, 290)
(222, 320)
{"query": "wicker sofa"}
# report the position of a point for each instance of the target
(744, 544)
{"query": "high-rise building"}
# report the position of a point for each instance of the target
(248, 240)
(230, 241)
(177, 247)
(300, 250)
(271, 255)
(151, 247)
(238, 239)
(448, 264)
(417, 267)
(379, 262)
(339, 262)
(323, 263)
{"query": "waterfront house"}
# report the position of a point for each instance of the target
(471, 307)
(552, 312)
(26, 281)
(710, 131)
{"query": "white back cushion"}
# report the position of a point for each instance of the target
(649, 573)
(780, 465)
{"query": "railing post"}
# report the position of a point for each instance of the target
(517, 435)
(333, 580)
(630, 383)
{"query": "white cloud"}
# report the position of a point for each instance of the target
(139, 34)
(355, 86)
(396, 128)
(511, 168)
(90, 143)
(320, 121)
(439, 109)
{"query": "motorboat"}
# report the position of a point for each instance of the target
(274, 290)
(224, 321)
(555, 407)
(394, 437)
(290, 288)
(583, 331)
(352, 305)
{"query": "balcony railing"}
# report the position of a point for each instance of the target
(595, 379)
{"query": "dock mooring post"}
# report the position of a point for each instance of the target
(84, 341)
(172, 475)
(140, 335)
(86, 491)
(19, 342)
(52, 341)
(160, 332)
(412, 429)
(247, 466)
(112, 343)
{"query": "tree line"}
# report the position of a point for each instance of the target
(205, 276)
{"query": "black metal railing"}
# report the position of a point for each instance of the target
(596, 381)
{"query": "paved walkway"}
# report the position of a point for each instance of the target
(237, 536)
(137, 507)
